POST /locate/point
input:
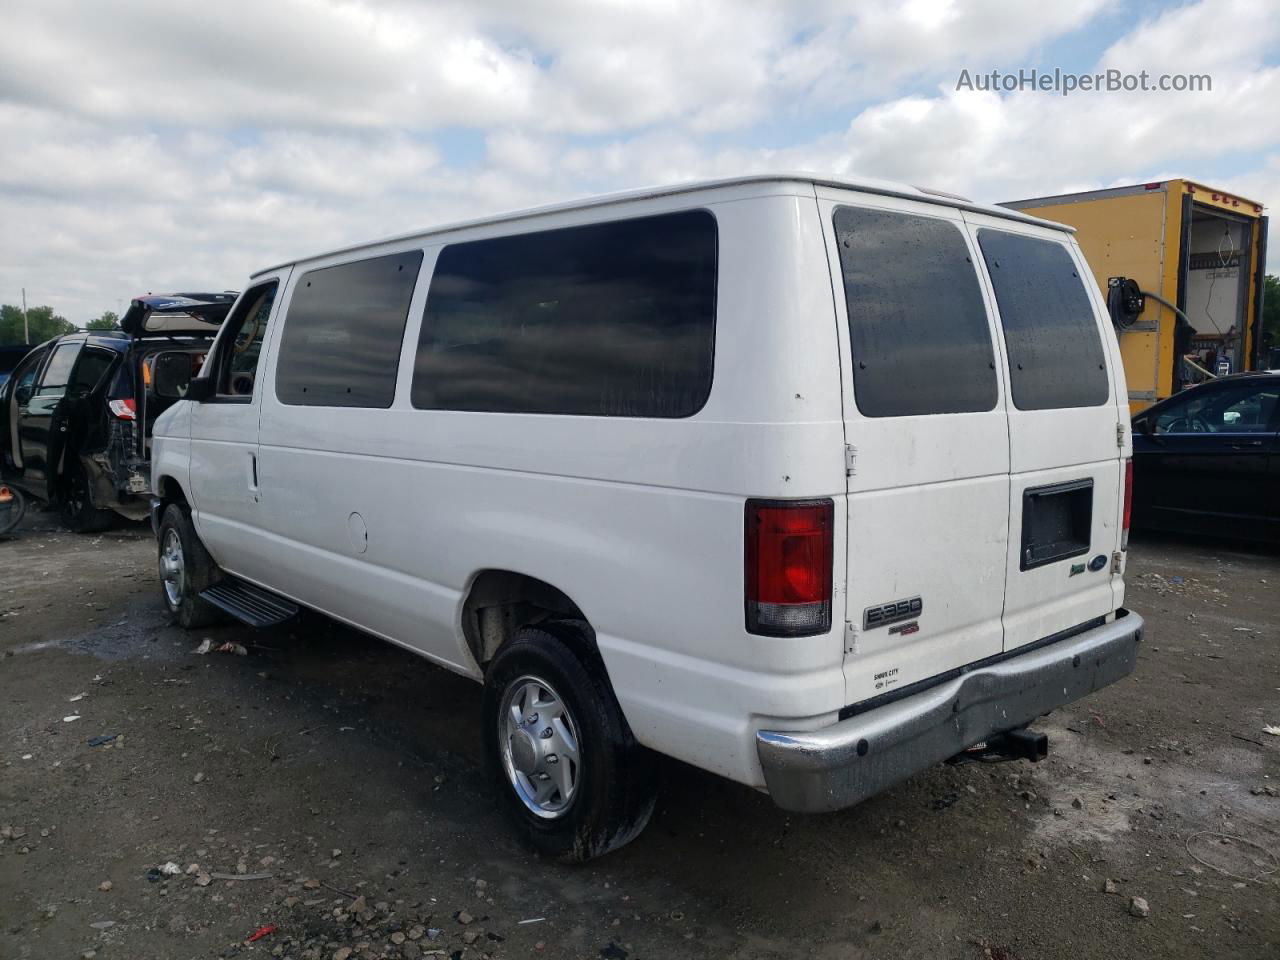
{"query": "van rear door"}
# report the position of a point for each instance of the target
(1066, 435)
(928, 444)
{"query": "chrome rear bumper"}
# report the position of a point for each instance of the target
(847, 762)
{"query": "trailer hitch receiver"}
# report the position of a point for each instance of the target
(1020, 744)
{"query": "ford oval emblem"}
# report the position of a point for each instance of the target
(1098, 562)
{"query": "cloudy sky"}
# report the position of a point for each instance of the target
(153, 145)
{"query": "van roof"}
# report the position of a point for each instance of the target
(862, 185)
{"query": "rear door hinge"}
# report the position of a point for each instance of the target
(1119, 434)
(850, 460)
(850, 638)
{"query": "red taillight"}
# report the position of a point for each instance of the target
(789, 547)
(124, 409)
(1128, 504)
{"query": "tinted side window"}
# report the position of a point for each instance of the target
(247, 329)
(1229, 408)
(917, 324)
(610, 319)
(1055, 352)
(93, 365)
(53, 383)
(25, 374)
(342, 334)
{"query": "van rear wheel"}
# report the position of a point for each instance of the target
(573, 778)
(186, 569)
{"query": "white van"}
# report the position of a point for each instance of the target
(810, 483)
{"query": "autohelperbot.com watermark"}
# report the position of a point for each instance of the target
(1065, 83)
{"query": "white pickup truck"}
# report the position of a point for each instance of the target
(808, 482)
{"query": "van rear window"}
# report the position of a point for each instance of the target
(608, 320)
(919, 331)
(1055, 351)
(342, 334)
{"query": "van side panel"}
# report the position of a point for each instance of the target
(640, 522)
(1124, 432)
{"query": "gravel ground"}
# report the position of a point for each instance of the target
(336, 781)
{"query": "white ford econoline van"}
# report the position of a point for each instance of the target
(811, 483)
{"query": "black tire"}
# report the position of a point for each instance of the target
(76, 508)
(198, 572)
(616, 786)
(13, 506)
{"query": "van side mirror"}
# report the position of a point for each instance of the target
(23, 394)
(171, 375)
(1146, 427)
(200, 389)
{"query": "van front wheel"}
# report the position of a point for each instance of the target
(572, 775)
(186, 569)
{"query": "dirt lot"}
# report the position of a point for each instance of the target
(325, 766)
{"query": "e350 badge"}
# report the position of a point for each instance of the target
(884, 614)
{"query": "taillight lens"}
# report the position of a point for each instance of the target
(789, 549)
(1128, 504)
(124, 409)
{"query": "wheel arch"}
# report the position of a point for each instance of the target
(169, 489)
(499, 602)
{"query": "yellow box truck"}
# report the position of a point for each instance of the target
(1172, 244)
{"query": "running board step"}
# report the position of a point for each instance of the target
(250, 604)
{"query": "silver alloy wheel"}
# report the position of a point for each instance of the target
(172, 567)
(538, 738)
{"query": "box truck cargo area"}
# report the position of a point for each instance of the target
(1217, 292)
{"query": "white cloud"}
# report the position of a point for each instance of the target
(1260, 185)
(161, 150)
(564, 65)
(884, 44)
(1225, 35)
(325, 166)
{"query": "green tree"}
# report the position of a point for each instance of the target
(1270, 315)
(108, 321)
(41, 321)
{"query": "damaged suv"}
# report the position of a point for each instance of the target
(77, 412)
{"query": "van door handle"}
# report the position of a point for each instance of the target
(253, 472)
(1245, 444)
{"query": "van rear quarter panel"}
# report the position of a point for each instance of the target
(639, 521)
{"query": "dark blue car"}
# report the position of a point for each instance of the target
(1207, 460)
